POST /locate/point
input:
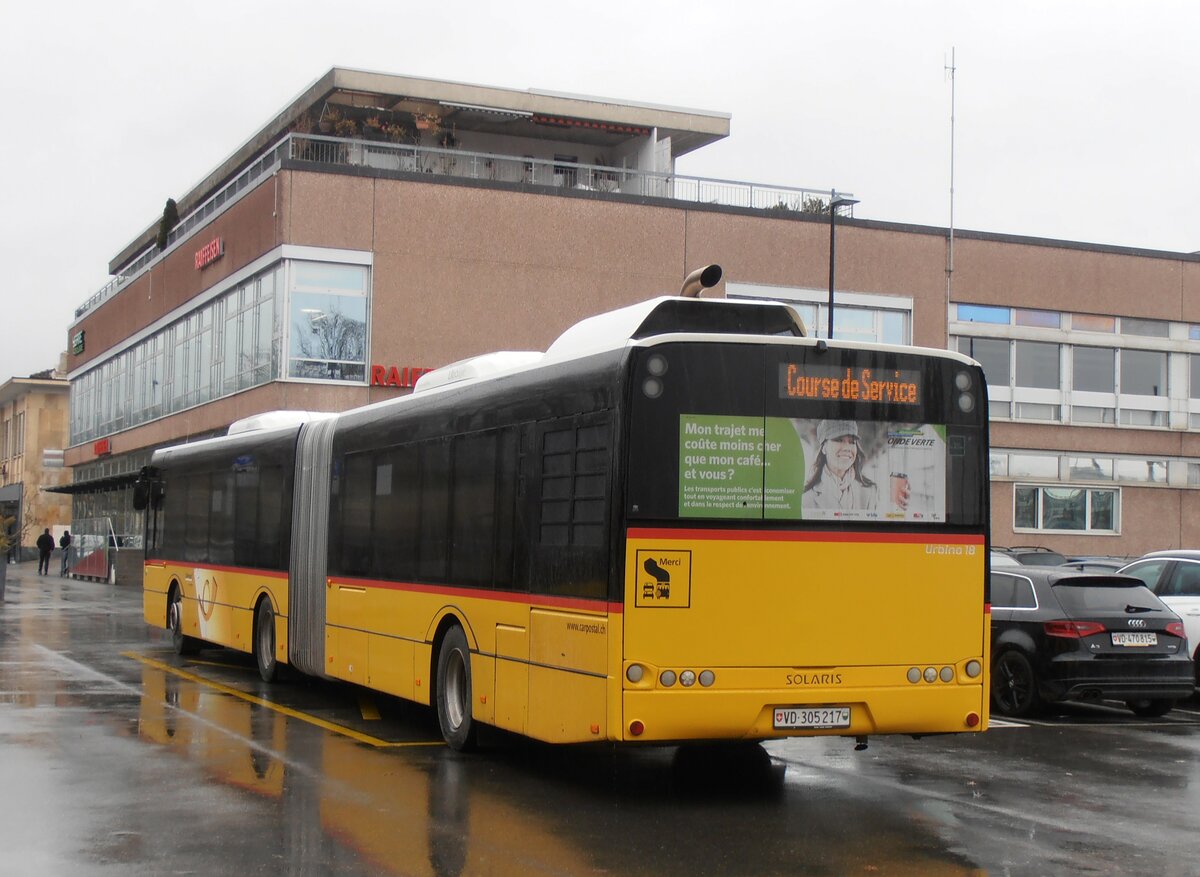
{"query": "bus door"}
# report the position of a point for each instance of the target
(565, 476)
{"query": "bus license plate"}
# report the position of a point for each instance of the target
(1126, 638)
(812, 718)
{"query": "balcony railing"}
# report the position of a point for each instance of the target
(480, 166)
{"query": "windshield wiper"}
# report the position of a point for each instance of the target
(1131, 610)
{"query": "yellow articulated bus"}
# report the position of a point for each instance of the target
(686, 520)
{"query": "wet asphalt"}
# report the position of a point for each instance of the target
(118, 757)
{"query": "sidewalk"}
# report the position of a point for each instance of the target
(26, 572)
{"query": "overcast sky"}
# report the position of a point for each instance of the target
(1074, 120)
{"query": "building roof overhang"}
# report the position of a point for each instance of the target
(590, 121)
(15, 388)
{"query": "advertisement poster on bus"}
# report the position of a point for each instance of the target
(808, 469)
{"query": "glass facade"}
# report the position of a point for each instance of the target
(232, 343)
(328, 322)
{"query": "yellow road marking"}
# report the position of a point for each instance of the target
(217, 664)
(367, 707)
(287, 711)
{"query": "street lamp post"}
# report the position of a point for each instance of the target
(835, 201)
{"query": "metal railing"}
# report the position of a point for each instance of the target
(383, 155)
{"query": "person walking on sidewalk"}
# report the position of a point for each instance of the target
(45, 545)
(64, 542)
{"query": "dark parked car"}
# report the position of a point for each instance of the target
(1033, 555)
(1094, 564)
(1059, 635)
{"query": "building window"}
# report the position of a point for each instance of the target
(1038, 319)
(1037, 365)
(328, 322)
(1144, 372)
(984, 314)
(1089, 469)
(1086, 509)
(1094, 369)
(1070, 467)
(1147, 328)
(1093, 323)
(226, 345)
(872, 319)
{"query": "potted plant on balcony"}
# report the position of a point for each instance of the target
(345, 128)
(329, 119)
(372, 128)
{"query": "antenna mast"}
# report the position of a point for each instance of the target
(950, 70)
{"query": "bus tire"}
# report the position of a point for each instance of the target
(454, 696)
(183, 644)
(264, 642)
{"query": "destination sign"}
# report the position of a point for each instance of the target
(864, 385)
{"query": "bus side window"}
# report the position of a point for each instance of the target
(570, 536)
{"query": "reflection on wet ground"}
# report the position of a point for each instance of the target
(130, 760)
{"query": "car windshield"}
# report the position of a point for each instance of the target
(1106, 594)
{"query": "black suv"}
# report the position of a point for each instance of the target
(1059, 635)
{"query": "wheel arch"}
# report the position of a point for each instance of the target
(172, 587)
(446, 618)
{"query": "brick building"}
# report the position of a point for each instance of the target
(381, 225)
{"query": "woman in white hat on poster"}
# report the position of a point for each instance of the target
(837, 482)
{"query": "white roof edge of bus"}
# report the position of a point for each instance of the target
(485, 365)
(275, 420)
(614, 329)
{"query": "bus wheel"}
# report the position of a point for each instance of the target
(264, 642)
(454, 691)
(183, 645)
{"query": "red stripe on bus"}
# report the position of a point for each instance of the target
(246, 570)
(449, 590)
(486, 594)
(807, 536)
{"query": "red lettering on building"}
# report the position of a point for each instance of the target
(209, 253)
(102, 447)
(395, 376)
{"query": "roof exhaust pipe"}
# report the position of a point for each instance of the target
(700, 280)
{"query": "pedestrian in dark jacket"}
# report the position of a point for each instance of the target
(45, 545)
(64, 542)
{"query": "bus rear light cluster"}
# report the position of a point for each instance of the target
(657, 366)
(933, 674)
(687, 678)
(974, 668)
(966, 399)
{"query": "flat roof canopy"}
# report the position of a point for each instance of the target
(532, 113)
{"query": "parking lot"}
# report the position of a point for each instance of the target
(121, 758)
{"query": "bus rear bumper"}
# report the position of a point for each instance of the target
(698, 714)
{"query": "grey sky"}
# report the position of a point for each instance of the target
(1075, 120)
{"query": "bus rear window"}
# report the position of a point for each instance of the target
(738, 432)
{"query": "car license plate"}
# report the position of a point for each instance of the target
(811, 718)
(1127, 638)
